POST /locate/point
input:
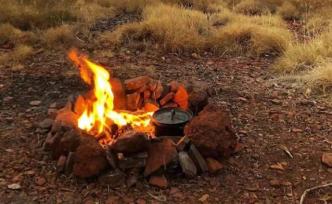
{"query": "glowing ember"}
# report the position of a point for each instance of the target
(98, 114)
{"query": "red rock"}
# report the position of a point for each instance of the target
(130, 142)
(158, 91)
(198, 100)
(160, 154)
(174, 85)
(167, 98)
(40, 181)
(66, 118)
(120, 102)
(136, 83)
(133, 101)
(327, 159)
(67, 143)
(213, 165)
(212, 133)
(181, 97)
(158, 181)
(90, 158)
(60, 166)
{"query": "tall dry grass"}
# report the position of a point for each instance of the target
(179, 29)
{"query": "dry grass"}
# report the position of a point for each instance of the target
(179, 29)
(61, 35)
(17, 55)
(320, 77)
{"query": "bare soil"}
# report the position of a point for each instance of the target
(268, 116)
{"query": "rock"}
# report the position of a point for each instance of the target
(67, 143)
(112, 158)
(60, 165)
(133, 101)
(158, 181)
(187, 164)
(40, 181)
(174, 85)
(327, 159)
(136, 161)
(198, 100)
(120, 102)
(204, 198)
(14, 186)
(278, 183)
(196, 156)
(90, 158)
(160, 154)
(35, 103)
(46, 124)
(66, 118)
(130, 142)
(141, 201)
(212, 133)
(279, 166)
(181, 97)
(133, 177)
(113, 179)
(156, 94)
(214, 166)
(136, 83)
(147, 94)
(167, 98)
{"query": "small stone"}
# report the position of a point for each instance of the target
(159, 181)
(7, 99)
(140, 201)
(113, 179)
(40, 181)
(204, 198)
(53, 105)
(278, 183)
(279, 166)
(213, 165)
(35, 103)
(60, 166)
(327, 159)
(14, 186)
(46, 124)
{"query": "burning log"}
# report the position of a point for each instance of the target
(133, 101)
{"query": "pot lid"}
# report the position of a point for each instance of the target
(172, 116)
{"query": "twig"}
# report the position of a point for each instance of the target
(311, 189)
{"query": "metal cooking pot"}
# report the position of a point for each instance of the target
(170, 121)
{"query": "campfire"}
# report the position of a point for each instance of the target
(139, 128)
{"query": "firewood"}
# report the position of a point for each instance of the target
(170, 105)
(198, 158)
(187, 165)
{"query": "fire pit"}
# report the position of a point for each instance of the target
(120, 130)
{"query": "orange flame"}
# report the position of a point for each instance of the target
(98, 116)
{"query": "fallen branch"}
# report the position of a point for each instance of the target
(312, 189)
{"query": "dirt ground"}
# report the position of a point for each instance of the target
(268, 116)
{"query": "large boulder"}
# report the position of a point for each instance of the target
(212, 133)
